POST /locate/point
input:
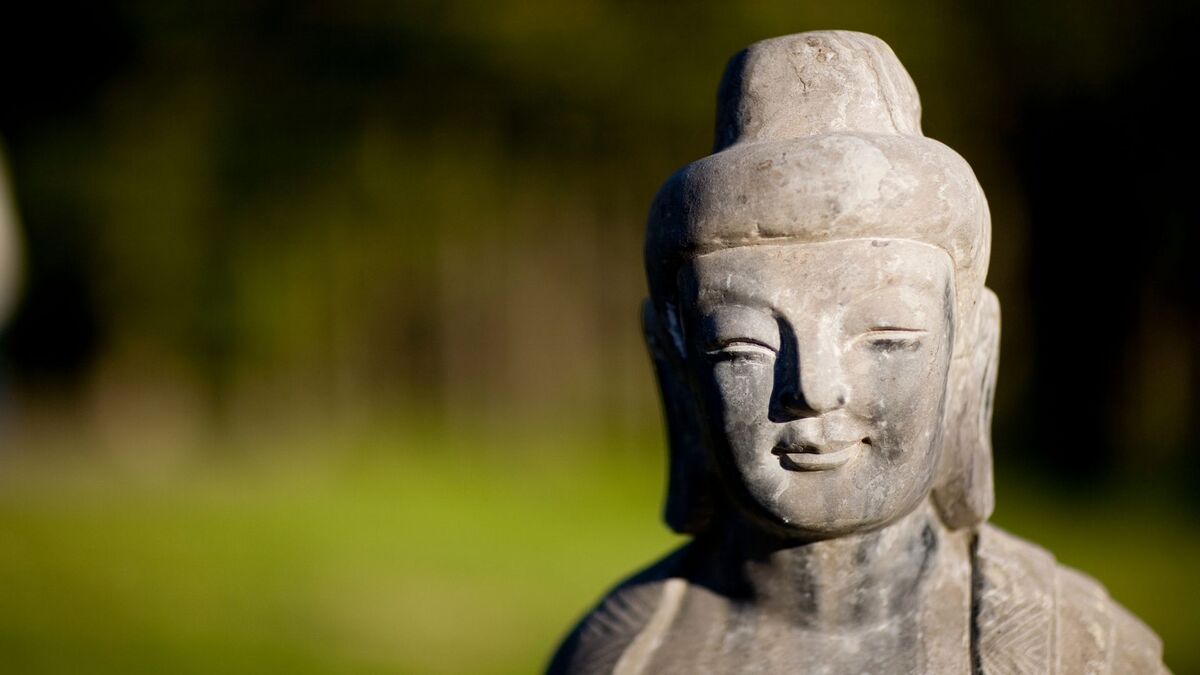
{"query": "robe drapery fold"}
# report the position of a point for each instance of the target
(1029, 616)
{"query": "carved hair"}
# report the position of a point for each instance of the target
(818, 138)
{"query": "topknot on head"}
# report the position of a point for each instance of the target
(815, 83)
(818, 138)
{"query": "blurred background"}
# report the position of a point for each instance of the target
(322, 349)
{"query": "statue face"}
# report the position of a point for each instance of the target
(822, 371)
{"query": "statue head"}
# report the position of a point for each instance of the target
(824, 343)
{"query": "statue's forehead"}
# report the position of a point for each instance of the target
(835, 268)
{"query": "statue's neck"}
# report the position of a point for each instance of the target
(855, 582)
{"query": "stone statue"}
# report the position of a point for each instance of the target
(826, 351)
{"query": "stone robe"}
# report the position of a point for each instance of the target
(1027, 615)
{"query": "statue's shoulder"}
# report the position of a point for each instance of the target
(613, 631)
(1036, 616)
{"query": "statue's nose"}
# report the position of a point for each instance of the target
(808, 382)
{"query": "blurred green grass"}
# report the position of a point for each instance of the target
(404, 556)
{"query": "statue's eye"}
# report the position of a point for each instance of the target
(742, 348)
(887, 339)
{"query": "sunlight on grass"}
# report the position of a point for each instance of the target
(388, 558)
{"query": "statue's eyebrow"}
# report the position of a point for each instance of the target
(732, 298)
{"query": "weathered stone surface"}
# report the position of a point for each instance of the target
(826, 351)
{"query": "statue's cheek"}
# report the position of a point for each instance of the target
(743, 386)
(906, 379)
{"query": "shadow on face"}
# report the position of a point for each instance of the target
(821, 370)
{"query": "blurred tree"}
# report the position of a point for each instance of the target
(356, 208)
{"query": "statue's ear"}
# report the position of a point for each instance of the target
(690, 486)
(964, 493)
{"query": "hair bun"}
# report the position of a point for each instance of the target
(815, 83)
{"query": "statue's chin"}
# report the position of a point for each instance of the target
(802, 527)
(818, 505)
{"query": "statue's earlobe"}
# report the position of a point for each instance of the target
(964, 494)
(690, 504)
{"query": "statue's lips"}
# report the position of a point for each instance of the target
(805, 457)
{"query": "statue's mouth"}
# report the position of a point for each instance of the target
(823, 457)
